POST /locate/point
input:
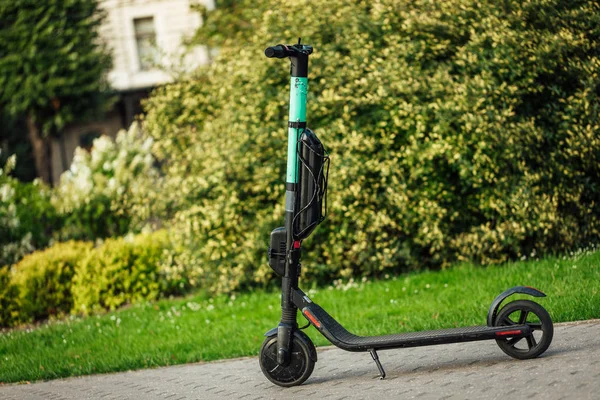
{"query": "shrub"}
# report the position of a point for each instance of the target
(123, 271)
(27, 216)
(76, 277)
(9, 300)
(457, 130)
(110, 190)
(44, 280)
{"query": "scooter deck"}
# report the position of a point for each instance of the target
(340, 337)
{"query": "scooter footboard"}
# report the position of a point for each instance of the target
(341, 337)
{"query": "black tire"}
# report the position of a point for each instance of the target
(527, 312)
(298, 370)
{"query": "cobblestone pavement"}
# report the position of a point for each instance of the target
(570, 369)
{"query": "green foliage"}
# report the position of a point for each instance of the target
(228, 18)
(27, 216)
(44, 280)
(13, 142)
(457, 130)
(9, 301)
(76, 277)
(122, 271)
(110, 190)
(52, 63)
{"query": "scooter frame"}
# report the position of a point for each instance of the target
(506, 332)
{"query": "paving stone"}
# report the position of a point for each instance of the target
(570, 369)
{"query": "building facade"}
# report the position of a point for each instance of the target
(147, 42)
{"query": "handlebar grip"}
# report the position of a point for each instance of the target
(278, 51)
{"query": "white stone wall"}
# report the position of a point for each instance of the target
(173, 21)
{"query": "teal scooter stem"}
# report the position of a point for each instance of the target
(298, 55)
(522, 329)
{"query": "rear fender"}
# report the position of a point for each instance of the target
(493, 311)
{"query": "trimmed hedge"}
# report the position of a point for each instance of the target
(44, 280)
(76, 277)
(121, 271)
(458, 130)
(9, 301)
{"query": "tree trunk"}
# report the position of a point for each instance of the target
(42, 151)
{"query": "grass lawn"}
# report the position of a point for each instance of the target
(200, 328)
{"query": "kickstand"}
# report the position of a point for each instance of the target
(376, 359)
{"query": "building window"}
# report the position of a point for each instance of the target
(145, 38)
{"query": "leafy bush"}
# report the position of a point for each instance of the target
(124, 271)
(110, 190)
(9, 301)
(27, 216)
(76, 277)
(44, 280)
(458, 130)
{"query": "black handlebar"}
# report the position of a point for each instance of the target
(298, 54)
(279, 51)
(283, 51)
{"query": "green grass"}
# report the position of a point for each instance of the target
(199, 328)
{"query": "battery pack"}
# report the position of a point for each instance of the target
(277, 250)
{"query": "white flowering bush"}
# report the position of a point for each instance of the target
(26, 216)
(110, 190)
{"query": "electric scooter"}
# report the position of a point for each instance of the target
(522, 329)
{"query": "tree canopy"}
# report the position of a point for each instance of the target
(52, 66)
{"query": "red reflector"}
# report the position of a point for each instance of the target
(508, 333)
(297, 244)
(311, 318)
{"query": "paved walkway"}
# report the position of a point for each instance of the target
(570, 369)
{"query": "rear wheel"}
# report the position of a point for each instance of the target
(299, 368)
(526, 312)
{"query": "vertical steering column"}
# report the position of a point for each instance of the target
(296, 124)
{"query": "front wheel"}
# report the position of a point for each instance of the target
(299, 368)
(526, 312)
